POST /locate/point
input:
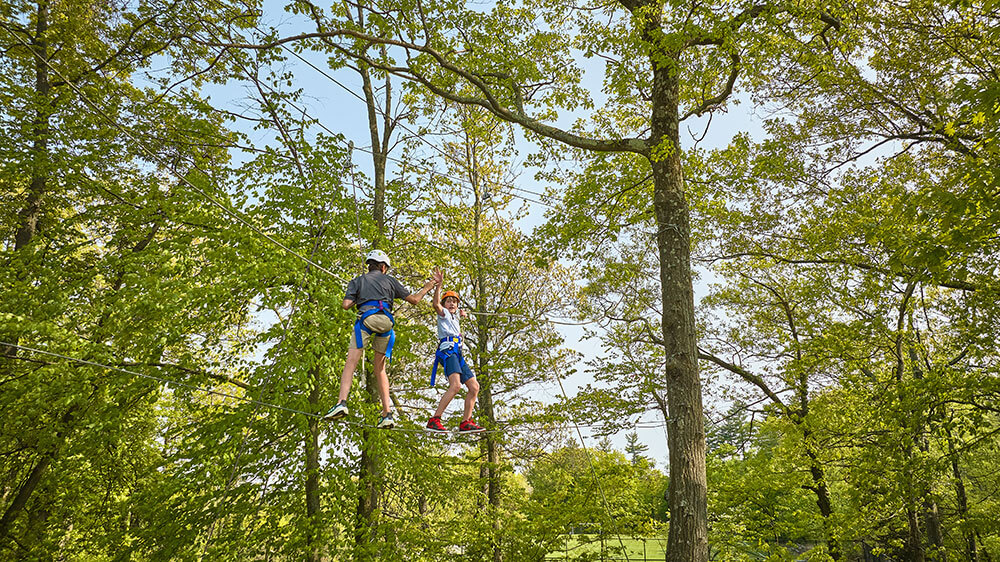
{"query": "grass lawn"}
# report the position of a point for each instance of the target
(589, 546)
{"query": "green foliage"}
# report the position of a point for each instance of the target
(850, 330)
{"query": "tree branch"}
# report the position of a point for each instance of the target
(948, 283)
(745, 375)
(713, 103)
(488, 100)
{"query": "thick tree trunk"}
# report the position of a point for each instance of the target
(931, 518)
(490, 471)
(379, 150)
(914, 540)
(823, 502)
(23, 493)
(489, 446)
(688, 537)
(935, 537)
(312, 473)
(364, 531)
(816, 470)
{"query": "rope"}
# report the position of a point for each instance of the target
(243, 437)
(506, 427)
(549, 320)
(407, 129)
(161, 379)
(590, 459)
(155, 157)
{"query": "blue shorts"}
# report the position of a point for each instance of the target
(454, 365)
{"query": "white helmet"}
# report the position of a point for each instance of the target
(377, 256)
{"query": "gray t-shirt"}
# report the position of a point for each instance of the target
(447, 325)
(375, 286)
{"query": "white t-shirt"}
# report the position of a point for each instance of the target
(447, 325)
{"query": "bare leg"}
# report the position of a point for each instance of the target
(453, 388)
(353, 356)
(470, 398)
(382, 381)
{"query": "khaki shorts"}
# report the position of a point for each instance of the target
(377, 323)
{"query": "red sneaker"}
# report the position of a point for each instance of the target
(469, 426)
(434, 424)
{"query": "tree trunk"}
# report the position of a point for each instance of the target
(40, 131)
(935, 537)
(34, 477)
(312, 473)
(932, 520)
(688, 537)
(369, 462)
(914, 540)
(823, 502)
(364, 531)
(32, 211)
(485, 399)
(25, 491)
(816, 470)
(379, 149)
(960, 496)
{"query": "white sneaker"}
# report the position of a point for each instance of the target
(386, 422)
(337, 412)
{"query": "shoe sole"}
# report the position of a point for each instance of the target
(337, 416)
(464, 431)
(435, 431)
(386, 426)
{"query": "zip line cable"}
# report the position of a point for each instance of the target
(163, 380)
(155, 157)
(590, 459)
(407, 129)
(243, 436)
(504, 428)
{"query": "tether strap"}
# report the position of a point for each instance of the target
(441, 356)
(379, 308)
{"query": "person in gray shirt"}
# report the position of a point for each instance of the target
(373, 294)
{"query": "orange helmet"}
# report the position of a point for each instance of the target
(450, 294)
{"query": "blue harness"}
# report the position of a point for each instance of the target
(442, 355)
(379, 308)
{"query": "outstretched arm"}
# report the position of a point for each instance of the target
(439, 278)
(414, 298)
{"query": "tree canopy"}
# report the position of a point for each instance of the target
(760, 237)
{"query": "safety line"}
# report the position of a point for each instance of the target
(590, 459)
(505, 428)
(549, 320)
(161, 379)
(407, 129)
(100, 113)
